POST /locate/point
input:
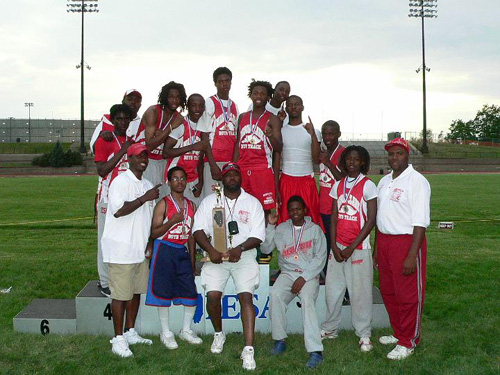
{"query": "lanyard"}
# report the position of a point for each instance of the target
(225, 110)
(191, 137)
(231, 210)
(252, 126)
(296, 241)
(185, 213)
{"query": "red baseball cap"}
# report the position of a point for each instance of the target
(401, 142)
(230, 167)
(132, 91)
(136, 149)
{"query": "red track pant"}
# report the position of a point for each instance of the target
(403, 295)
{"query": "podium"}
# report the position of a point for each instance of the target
(90, 313)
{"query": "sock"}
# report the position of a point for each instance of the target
(163, 314)
(188, 317)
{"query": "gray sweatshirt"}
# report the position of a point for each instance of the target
(308, 259)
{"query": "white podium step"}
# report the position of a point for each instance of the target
(93, 311)
(47, 316)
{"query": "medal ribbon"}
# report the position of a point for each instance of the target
(252, 126)
(168, 122)
(347, 195)
(296, 241)
(225, 110)
(184, 214)
(191, 137)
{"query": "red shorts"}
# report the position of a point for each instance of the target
(304, 187)
(260, 184)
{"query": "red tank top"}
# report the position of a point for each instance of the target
(189, 160)
(256, 151)
(351, 215)
(225, 120)
(180, 232)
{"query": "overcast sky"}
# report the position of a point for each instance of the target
(351, 61)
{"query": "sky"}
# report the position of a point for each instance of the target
(351, 61)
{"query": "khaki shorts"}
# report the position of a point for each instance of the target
(125, 280)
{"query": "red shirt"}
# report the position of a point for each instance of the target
(326, 182)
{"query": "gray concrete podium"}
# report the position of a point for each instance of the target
(90, 312)
(45, 316)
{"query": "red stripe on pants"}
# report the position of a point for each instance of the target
(403, 295)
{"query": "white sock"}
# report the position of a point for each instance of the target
(163, 314)
(188, 317)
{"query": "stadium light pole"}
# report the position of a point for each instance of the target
(29, 105)
(423, 9)
(82, 6)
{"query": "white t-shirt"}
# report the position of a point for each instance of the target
(246, 211)
(403, 202)
(131, 130)
(125, 238)
(297, 156)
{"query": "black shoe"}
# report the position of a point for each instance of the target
(104, 291)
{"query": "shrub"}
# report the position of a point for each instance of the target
(57, 158)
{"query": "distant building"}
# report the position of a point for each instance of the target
(18, 130)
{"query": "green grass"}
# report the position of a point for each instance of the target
(55, 257)
(29, 148)
(449, 150)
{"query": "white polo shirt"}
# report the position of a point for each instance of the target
(403, 202)
(297, 154)
(125, 238)
(246, 211)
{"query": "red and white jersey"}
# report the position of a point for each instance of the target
(107, 125)
(180, 232)
(222, 127)
(326, 181)
(104, 151)
(256, 152)
(161, 123)
(352, 208)
(189, 160)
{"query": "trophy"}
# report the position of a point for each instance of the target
(219, 224)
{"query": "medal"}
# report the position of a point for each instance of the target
(184, 214)
(346, 208)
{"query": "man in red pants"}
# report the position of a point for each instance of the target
(403, 215)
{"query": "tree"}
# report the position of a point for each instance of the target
(485, 126)
(487, 122)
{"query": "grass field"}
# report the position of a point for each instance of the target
(48, 250)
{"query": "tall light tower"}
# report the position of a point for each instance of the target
(423, 9)
(29, 105)
(82, 6)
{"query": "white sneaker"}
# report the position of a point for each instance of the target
(218, 344)
(133, 337)
(399, 352)
(247, 357)
(120, 346)
(365, 344)
(388, 340)
(329, 335)
(190, 337)
(168, 339)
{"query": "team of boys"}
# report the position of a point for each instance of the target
(246, 154)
